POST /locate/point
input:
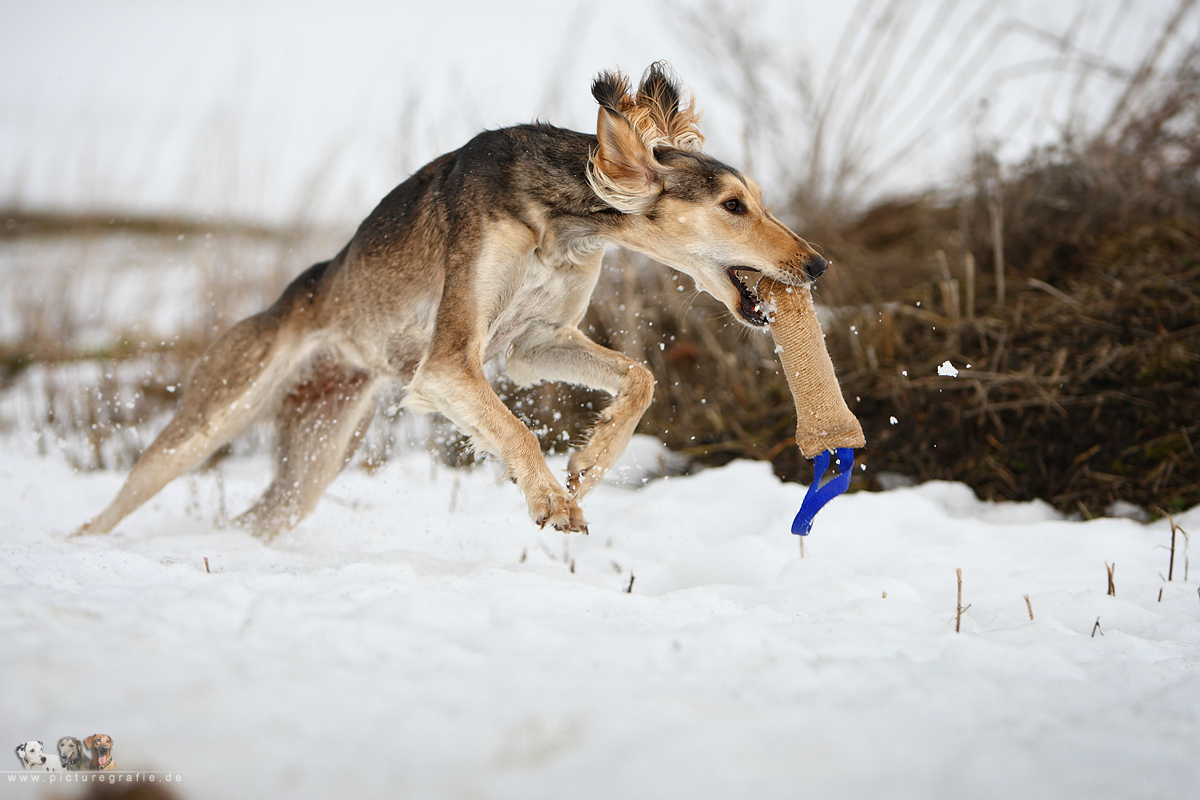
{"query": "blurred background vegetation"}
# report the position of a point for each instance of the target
(1064, 286)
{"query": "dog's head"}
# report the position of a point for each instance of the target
(682, 207)
(70, 750)
(101, 746)
(31, 754)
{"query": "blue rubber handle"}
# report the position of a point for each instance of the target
(819, 495)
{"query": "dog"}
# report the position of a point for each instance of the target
(32, 757)
(490, 250)
(72, 754)
(101, 746)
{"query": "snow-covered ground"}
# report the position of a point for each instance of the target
(418, 637)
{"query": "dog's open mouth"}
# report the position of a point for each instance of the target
(744, 279)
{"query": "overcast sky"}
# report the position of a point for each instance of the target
(262, 108)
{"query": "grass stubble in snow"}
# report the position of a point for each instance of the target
(417, 637)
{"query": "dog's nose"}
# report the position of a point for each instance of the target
(815, 267)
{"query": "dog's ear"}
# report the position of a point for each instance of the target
(21, 751)
(660, 96)
(623, 171)
(88, 741)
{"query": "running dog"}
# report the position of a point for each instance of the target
(493, 249)
(71, 754)
(32, 757)
(101, 746)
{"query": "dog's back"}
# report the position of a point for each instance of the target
(382, 292)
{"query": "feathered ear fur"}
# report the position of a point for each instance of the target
(611, 90)
(623, 171)
(659, 98)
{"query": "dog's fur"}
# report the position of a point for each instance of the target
(32, 756)
(101, 746)
(71, 754)
(492, 249)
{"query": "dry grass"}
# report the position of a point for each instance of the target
(1085, 379)
(106, 314)
(1069, 283)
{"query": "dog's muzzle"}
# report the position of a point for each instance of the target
(815, 267)
(750, 306)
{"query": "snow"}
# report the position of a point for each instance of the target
(418, 636)
(947, 370)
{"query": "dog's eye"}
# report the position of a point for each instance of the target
(734, 206)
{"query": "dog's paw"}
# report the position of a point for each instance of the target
(258, 524)
(583, 473)
(560, 511)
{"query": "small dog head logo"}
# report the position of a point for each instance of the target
(101, 746)
(71, 753)
(31, 754)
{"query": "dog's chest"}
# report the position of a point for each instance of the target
(550, 295)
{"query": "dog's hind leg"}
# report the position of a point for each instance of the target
(321, 424)
(564, 354)
(235, 378)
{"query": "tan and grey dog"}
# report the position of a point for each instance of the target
(493, 249)
(72, 754)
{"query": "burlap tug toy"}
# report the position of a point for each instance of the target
(824, 422)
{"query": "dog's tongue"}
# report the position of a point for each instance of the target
(103, 760)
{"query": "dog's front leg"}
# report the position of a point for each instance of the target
(456, 387)
(565, 354)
